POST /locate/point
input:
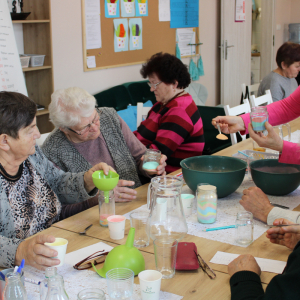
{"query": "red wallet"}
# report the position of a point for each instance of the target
(186, 256)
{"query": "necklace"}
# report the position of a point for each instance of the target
(12, 177)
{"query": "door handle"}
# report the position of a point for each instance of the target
(226, 47)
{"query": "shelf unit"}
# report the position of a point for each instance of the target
(38, 40)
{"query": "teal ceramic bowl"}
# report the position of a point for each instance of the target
(274, 178)
(226, 173)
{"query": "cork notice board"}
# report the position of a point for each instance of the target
(157, 37)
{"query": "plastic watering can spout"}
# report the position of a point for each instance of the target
(130, 238)
(124, 256)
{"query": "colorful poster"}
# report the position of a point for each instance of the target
(141, 8)
(112, 9)
(127, 8)
(121, 35)
(136, 36)
(184, 13)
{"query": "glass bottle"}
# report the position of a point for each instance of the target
(206, 203)
(56, 289)
(244, 228)
(50, 272)
(106, 202)
(14, 288)
(259, 116)
(166, 218)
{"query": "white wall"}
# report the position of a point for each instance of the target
(68, 56)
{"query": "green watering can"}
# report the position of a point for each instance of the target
(124, 256)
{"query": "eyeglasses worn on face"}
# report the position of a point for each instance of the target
(205, 267)
(99, 257)
(87, 127)
(154, 85)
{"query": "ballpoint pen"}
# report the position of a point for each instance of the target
(21, 266)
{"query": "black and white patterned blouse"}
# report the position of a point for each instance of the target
(34, 205)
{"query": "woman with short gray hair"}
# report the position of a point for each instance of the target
(85, 135)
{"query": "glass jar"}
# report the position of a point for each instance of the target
(91, 294)
(49, 272)
(151, 159)
(259, 116)
(56, 289)
(206, 203)
(14, 288)
(106, 206)
(244, 228)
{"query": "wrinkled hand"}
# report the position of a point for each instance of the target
(229, 124)
(160, 170)
(123, 193)
(257, 202)
(271, 141)
(88, 180)
(36, 254)
(287, 236)
(244, 262)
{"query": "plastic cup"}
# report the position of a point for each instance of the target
(138, 220)
(165, 251)
(120, 283)
(187, 203)
(60, 245)
(116, 226)
(150, 281)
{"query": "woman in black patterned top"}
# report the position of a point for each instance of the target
(32, 189)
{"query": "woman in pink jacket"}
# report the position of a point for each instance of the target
(280, 112)
(286, 110)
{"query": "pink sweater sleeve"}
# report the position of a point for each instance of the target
(281, 112)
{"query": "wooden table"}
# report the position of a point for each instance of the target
(189, 283)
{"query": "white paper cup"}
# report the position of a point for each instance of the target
(135, 43)
(150, 281)
(129, 7)
(121, 42)
(187, 203)
(112, 9)
(116, 226)
(142, 8)
(60, 245)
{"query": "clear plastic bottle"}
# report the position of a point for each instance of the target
(56, 289)
(106, 206)
(50, 272)
(14, 288)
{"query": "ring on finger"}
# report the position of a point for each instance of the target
(120, 195)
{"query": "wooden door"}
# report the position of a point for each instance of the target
(235, 52)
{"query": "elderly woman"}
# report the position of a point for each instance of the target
(32, 189)
(280, 112)
(85, 135)
(281, 82)
(173, 125)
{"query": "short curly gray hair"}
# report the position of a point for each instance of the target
(69, 105)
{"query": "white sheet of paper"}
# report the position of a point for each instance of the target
(266, 265)
(74, 257)
(91, 62)
(186, 36)
(92, 24)
(164, 10)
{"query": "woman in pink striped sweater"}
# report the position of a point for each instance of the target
(173, 125)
